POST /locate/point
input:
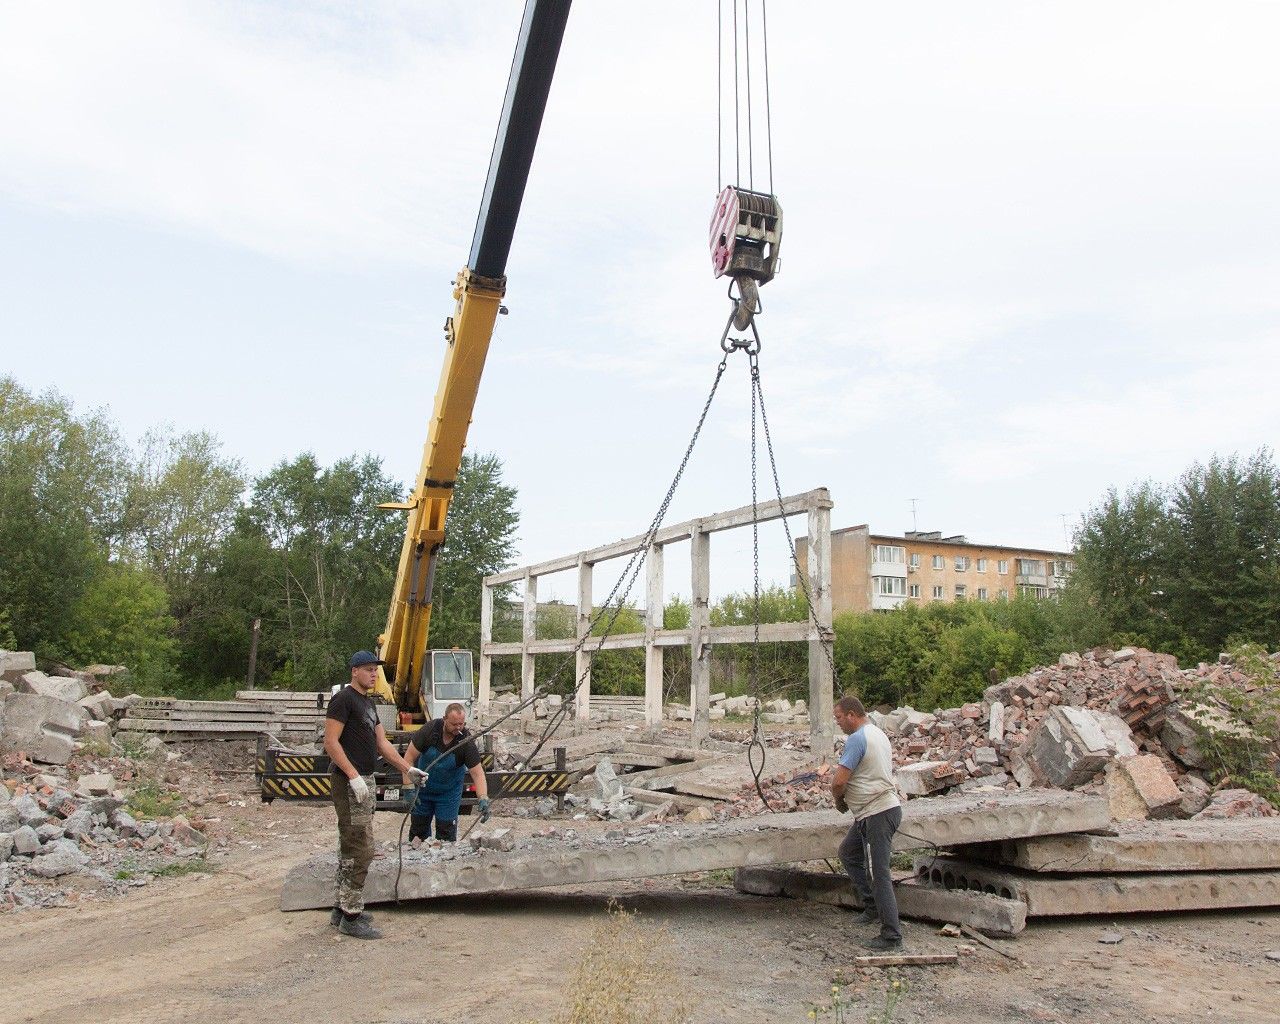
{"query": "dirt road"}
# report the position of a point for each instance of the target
(215, 947)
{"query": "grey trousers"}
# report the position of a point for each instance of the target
(874, 835)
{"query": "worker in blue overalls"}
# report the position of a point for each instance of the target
(440, 796)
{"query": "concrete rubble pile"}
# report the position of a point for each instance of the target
(61, 831)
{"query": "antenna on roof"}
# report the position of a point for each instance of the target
(915, 526)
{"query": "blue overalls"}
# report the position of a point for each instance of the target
(440, 796)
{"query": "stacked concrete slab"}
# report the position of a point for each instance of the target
(741, 842)
(1142, 867)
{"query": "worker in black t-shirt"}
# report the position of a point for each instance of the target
(440, 796)
(353, 739)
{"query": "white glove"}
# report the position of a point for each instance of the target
(359, 789)
(417, 776)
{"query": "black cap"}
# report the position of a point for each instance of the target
(363, 658)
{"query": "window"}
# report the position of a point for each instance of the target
(982, 565)
(962, 563)
(1030, 567)
(890, 553)
(982, 593)
(913, 590)
(1061, 567)
(937, 593)
(894, 586)
(1004, 594)
(1002, 567)
(915, 561)
(1032, 591)
(939, 562)
(960, 591)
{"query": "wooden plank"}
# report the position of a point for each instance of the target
(907, 960)
(981, 939)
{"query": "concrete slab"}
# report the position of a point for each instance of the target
(1233, 844)
(44, 727)
(1048, 896)
(724, 779)
(990, 915)
(742, 842)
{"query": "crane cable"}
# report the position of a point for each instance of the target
(744, 92)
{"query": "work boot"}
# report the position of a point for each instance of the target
(358, 928)
(335, 916)
(882, 945)
(869, 915)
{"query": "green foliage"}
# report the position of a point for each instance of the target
(60, 510)
(122, 618)
(1190, 567)
(312, 556)
(479, 541)
(1238, 724)
(150, 799)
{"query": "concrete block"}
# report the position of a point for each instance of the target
(64, 858)
(16, 663)
(6, 847)
(9, 820)
(1236, 803)
(44, 727)
(25, 840)
(1139, 787)
(990, 915)
(925, 777)
(1233, 845)
(1107, 894)
(1071, 745)
(97, 732)
(986, 755)
(995, 725)
(66, 688)
(96, 785)
(1195, 795)
(1179, 736)
(29, 812)
(100, 705)
(741, 842)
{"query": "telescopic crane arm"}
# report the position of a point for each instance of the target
(477, 292)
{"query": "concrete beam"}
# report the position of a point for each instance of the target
(699, 625)
(654, 608)
(821, 671)
(483, 690)
(1230, 844)
(819, 497)
(742, 842)
(988, 914)
(528, 633)
(1047, 896)
(582, 660)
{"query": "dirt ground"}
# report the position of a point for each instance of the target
(215, 946)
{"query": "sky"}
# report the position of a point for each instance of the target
(1030, 251)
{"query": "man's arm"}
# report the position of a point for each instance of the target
(411, 756)
(839, 779)
(481, 782)
(332, 747)
(388, 751)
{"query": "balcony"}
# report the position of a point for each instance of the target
(886, 602)
(1033, 580)
(889, 569)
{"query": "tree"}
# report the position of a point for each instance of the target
(122, 617)
(61, 487)
(314, 554)
(479, 541)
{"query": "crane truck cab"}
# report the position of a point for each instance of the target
(448, 680)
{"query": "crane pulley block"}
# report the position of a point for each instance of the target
(746, 234)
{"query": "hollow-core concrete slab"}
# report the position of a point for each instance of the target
(659, 850)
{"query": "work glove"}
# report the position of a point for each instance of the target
(359, 789)
(482, 805)
(417, 776)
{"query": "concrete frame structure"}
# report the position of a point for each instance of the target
(700, 636)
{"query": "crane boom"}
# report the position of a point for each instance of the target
(477, 292)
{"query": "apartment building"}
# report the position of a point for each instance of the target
(878, 572)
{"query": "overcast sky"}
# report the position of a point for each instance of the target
(1031, 251)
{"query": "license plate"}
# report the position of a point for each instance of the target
(390, 794)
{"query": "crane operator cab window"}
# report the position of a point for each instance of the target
(451, 682)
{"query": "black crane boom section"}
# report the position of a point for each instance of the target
(532, 68)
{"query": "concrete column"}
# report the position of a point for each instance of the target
(582, 660)
(528, 634)
(653, 608)
(486, 636)
(821, 678)
(699, 625)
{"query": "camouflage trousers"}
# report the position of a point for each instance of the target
(355, 843)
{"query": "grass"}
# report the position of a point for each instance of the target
(624, 976)
(151, 800)
(842, 1003)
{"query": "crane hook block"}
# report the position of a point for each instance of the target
(746, 234)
